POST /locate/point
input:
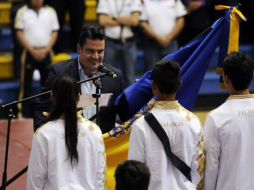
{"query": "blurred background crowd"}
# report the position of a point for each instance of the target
(133, 48)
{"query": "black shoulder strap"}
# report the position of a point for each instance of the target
(161, 134)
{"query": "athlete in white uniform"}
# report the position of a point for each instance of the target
(67, 152)
(229, 130)
(182, 127)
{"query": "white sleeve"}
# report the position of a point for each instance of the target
(19, 19)
(136, 6)
(55, 23)
(212, 144)
(37, 167)
(143, 16)
(180, 9)
(102, 168)
(198, 159)
(103, 7)
(136, 147)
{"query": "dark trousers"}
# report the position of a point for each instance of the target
(76, 10)
(195, 23)
(123, 55)
(27, 70)
(154, 52)
(17, 48)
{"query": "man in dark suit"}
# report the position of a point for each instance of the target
(90, 47)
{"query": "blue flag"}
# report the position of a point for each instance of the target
(194, 59)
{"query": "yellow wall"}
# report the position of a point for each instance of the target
(6, 64)
(6, 68)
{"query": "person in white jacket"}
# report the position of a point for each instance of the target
(229, 130)
(67, 152)
(182, 128)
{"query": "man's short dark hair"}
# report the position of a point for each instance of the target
(132, 175)
(239, 69)
(166, 76)
(94, 32)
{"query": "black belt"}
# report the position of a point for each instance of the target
(118, 41)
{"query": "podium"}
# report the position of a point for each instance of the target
(93, 101)
(89, 100)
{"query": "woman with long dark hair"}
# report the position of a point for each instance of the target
(68, 151)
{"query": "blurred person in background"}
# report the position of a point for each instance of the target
(36, 28)
(247, 28)
(118, 17)
(76, 10)
(196, 21)
(162, 21)
(17, 48)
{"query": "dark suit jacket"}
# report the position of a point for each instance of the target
(109, 85)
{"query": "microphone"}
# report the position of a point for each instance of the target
(106, 70)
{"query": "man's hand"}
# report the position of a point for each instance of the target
(163, 41)
(46, 114)
(44, 52)
(36, 54)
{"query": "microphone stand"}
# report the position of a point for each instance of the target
(8, 106)
(4, 177)
(97, 95)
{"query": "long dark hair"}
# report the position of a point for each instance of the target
(65, 94)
